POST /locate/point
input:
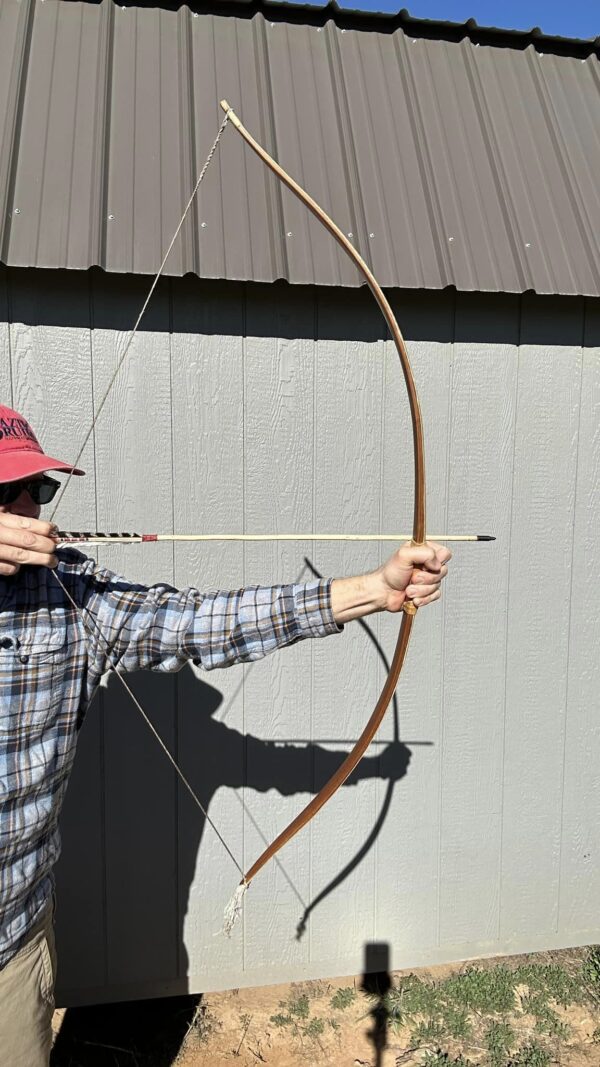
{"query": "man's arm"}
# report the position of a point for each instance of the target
(159, 628)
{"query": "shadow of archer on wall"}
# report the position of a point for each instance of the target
(131, 832)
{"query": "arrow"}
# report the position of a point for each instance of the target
(99, 538)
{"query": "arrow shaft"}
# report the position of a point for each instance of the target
(98, 538)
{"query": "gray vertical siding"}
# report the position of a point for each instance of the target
(272, 408)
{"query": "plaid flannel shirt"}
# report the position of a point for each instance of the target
(51, 664)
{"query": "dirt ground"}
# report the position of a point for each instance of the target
(238, 1027)
(317, 1024)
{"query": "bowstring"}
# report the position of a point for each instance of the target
(80, 610)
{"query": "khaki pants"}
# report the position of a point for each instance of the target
(27, 1000)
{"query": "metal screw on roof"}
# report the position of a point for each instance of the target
(528, 244)
(450, 238)
(203, 224)
(111, 217)
(350, 235)
(289, 234)
(343, 31)
(371, 235)
(17, 211)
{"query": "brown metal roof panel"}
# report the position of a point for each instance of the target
(420, 155)
(541, 186)
(449, 163)
(14, 49)
(57, 173)
(267, 233)
(395, 222)
(250, 199)
(308, 138)
(461, 168)
(149, 121)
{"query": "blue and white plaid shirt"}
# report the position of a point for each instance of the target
(51, 663)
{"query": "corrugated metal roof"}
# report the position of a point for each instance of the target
(390, 20)
(454, 159)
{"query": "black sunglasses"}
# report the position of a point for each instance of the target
(41, 490)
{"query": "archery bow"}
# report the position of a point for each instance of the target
(418, 533)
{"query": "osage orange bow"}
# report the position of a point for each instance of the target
(418, 532)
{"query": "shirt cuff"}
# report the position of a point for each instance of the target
(313, 610)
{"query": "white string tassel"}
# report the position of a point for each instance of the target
(234, 909)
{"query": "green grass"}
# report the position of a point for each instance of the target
(442, 1059)
(295, 1014)
(531, 1055)
(499, 1040)
(481, 1012)
(295, 1017)
(591, 971)
(343, 999)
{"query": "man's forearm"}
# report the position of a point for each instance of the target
(351, 598)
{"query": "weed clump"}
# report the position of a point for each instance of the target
(502, 1016)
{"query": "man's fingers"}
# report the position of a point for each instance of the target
(8, 569)
(430, 568)
(421, 589)
(442, 552)
(13, 537)
(23, 522)
(422, 578)
(18, 554)
(431, 556)
(420, 601)
(22, 548)
(25, 541)
(442, 555)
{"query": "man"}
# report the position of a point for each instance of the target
(52, 658)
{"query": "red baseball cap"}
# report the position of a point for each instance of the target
(20, 451)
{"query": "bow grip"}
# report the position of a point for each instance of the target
(409, 607)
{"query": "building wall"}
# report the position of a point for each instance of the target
(270, 408)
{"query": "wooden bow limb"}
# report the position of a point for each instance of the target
(418, 532)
